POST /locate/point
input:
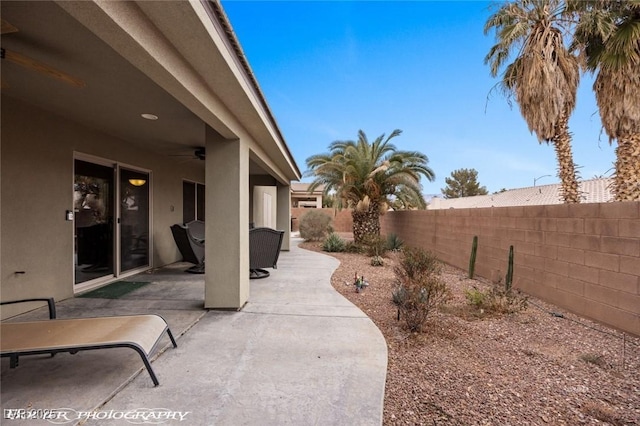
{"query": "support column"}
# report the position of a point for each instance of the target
(227, 222)
(283, 220)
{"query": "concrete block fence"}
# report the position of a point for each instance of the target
(584, 258)
(340, 219)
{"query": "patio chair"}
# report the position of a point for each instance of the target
(196, 228)
(192, 249)
(264, 250)
(138, 332)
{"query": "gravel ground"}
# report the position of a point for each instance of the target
(528, 368)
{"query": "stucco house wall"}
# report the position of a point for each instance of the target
(114, 63)
(37, 190)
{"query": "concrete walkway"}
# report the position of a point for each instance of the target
(298, 353)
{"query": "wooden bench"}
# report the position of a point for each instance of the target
(138, 332)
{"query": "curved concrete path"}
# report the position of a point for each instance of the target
(298, 354)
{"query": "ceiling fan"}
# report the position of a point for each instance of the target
(199, 154)
(32, 64)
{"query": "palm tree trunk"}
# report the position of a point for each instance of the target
(566, 166)
(626, 182)
(366, 222)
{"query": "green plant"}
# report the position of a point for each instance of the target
(377, 261)
(420, 288)
(333, 243)
(394, 243)
(508, 282)
(472, 259)
(315, 225)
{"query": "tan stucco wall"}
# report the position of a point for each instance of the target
(584, 258)
(37, 188)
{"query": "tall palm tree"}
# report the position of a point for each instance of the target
(366, 176)
(543, 77)
(608, 34)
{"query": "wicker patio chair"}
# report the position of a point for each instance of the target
(192, 249)
(264, 250)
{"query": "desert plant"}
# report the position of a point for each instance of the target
(315, 225)
(420, 288)
(374, 245)
(365, 176)
(333, 243)
(496, 300)
(353, 247)
(415, 263)
(377, 261)
(394, 243)
(398, 295)
(592, 358)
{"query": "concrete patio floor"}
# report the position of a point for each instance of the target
(298, 353)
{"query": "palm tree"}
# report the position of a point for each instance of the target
(608, 35)
(543, 78)
(365, 176)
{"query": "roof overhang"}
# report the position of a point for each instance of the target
(178, 60)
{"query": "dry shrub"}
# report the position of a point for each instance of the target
(420, 288)
(315, 225)
(495, 300)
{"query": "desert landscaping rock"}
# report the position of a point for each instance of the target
(528, 368)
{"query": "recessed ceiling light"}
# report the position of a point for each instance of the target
(150, 116)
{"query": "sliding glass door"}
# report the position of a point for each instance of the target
(94, 212)
(134, 219)
(111, 237)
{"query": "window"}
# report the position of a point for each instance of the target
(192, 201)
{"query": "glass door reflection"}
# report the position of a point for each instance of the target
(134, 219)
(93, 223)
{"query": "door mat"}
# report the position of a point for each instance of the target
(115, 290)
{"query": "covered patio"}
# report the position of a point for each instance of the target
(298, 353)
(120, 119)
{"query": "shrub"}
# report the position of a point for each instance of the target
(374, 245)
(353, 247)
(394, 243)
(315, 225)
(420, 288)
(416, 263)
(496, 300)
(333, 243)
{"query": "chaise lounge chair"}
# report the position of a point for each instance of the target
(138, 332)
(264, 250)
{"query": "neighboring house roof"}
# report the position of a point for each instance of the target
(303, 189)
(591, 191)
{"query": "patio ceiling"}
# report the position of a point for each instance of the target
(108, 94)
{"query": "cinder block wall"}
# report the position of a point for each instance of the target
(340, 219)
(584, 258)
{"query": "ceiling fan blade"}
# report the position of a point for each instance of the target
(40, 67)
(7, 28)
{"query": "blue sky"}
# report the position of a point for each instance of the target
(329, 69)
